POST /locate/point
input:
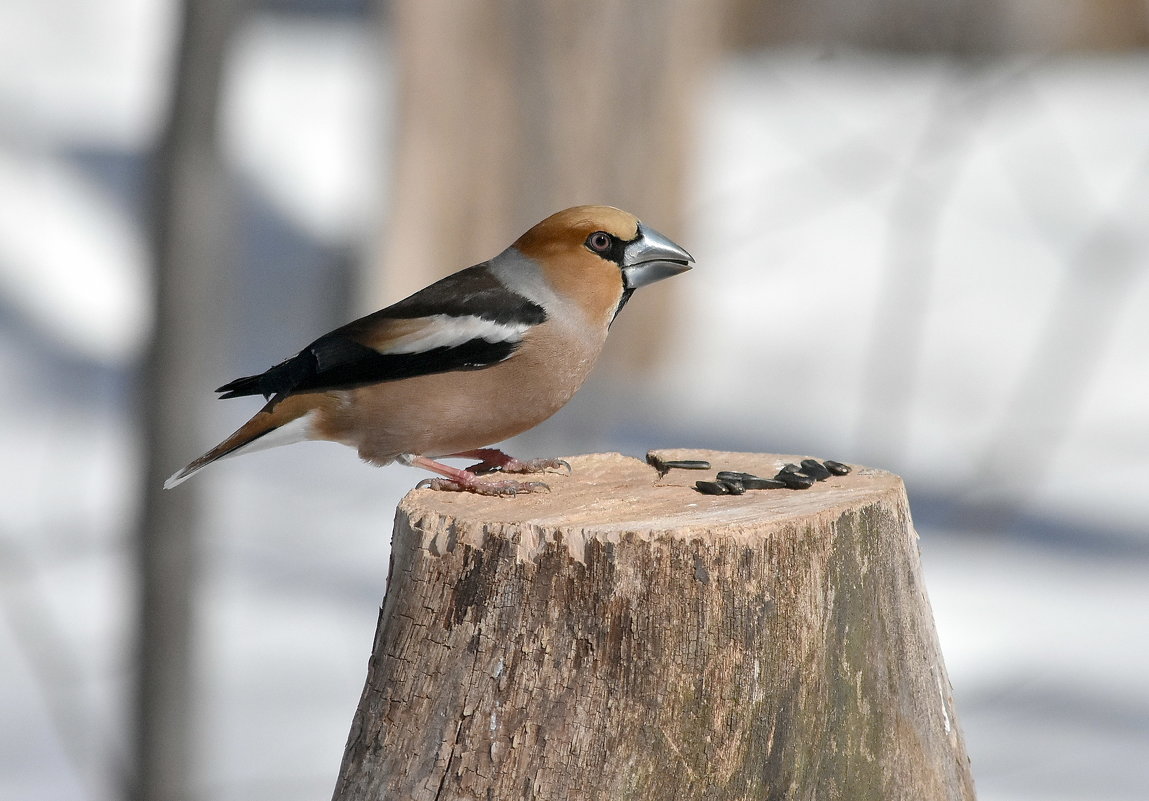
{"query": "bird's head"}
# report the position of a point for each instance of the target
(601, 254)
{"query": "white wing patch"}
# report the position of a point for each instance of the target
(448, 331)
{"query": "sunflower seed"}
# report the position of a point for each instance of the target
(762, 483)
(734, 475)
(794, 480)
(815, 470)
(711, 488)
(665, 465)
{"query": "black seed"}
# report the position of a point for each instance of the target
(794, 480)
(659, 463)
(790, 468)
(711, 488)
(814, 469)
(762, 483)
(664, 466)
(734, 475)
(733, 487)
(837, 468)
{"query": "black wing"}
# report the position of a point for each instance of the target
(471, 319)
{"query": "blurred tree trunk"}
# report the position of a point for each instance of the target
(190, 222)
(511, 110)
(965, 26)
(1072, 25)
(903, 25)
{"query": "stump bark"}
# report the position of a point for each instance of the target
(625, 637)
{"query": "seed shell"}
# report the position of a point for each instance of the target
(794, 480)
(815, 470)
(711, 488)
(734, 475)
(763, 483)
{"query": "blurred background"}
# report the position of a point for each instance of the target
(921, 234)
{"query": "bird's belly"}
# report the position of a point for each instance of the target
(446, 413)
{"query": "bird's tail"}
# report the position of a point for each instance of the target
(240, 387)
(277, 423)
(277, 381)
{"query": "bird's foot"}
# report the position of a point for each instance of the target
(493, 460)
(455, 480)
(560, 466)
(504, 488)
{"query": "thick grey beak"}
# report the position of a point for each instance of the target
(652, 257)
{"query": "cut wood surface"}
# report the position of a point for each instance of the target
(626, 637)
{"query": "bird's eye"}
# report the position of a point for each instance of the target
(599, 241)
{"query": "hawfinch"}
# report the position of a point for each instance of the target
(471, 360)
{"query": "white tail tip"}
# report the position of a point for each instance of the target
(179, 477)
(296, 430)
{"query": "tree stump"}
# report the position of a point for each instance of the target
(626, 637)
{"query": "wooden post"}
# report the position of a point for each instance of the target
(625, 637)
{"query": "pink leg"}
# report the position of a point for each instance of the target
(493, 459)
(457, 480)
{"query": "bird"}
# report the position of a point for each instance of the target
(477, 357)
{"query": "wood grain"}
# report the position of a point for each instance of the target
(625, 637)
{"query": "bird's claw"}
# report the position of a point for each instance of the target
(518, 466)
(558, 466)
(531, 486)
(507, 488)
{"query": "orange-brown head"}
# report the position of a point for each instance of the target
(598, 255)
